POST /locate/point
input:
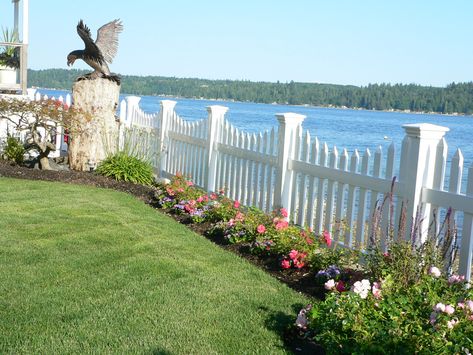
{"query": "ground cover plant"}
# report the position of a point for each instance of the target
(405, 299)
(105, 273)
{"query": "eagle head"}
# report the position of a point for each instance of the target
(71, 58)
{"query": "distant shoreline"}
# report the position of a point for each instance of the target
(454, 114)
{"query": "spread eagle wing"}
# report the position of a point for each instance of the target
(90, 47)
(107, 39)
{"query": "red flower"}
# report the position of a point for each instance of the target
(213, 196)
(340, 286)
(299, 264)
(236, 204)
(328, 240)
(261, 229)
(285, 264)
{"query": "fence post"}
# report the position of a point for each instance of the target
(290, 124)
(417, 170)
(215, 125)
(132, 104)
(165, 114)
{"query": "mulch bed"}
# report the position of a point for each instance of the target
(299, 280)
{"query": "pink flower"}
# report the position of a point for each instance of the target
(330, 284)
(231, 222)
(239, 216)
(281, 224)
(435, 271)
(236, 204)
(293, 254)
(340, 286)
(213, 196)
(386, 255)
(449, 309)
(469, 304)
(454, 279)
(283, 212)
(200, 199)
(328, 240)
(261, 229)
(299, 264)
(376, 289)
(189, 183)
(285, 264)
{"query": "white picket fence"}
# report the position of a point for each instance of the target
(324, 189)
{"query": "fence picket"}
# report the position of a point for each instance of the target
(305, 155)
(466, 249)
(331, 187)
(340, 197)
(314, 154)
(375, 201)
(354, 162)
(319, 216)
(360, 224)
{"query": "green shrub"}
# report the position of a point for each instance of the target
(14, 150)
(124, 167)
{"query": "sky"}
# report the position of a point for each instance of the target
(351, 42)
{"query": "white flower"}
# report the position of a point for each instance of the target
(435, 271)
(330, 284)
(439, 307)
(362, 288)
(451, 323)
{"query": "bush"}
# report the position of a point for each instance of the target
(14, 150)
(124, 167)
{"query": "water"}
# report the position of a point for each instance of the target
(344, 128)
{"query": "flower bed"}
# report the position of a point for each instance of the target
(399, 301)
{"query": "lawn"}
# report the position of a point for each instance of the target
(91, 270)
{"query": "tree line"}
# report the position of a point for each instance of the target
(454, 98)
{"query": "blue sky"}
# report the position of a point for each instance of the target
(357, 42)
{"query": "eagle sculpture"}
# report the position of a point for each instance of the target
(97, 54)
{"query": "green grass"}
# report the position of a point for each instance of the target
(91, 270)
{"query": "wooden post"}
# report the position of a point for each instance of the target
(215, 124)
(165, 116)
(290, 124)
(96, 134)
(419, 161)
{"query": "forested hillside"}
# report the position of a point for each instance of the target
(455, 98)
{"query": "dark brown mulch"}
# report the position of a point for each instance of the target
(300, 280)
(8, 169)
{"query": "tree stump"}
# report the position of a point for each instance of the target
(95, 134)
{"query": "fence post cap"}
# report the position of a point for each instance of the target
(425, 130)
(132, 100)
(217, 109)
(290, 118)
(168, 103)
